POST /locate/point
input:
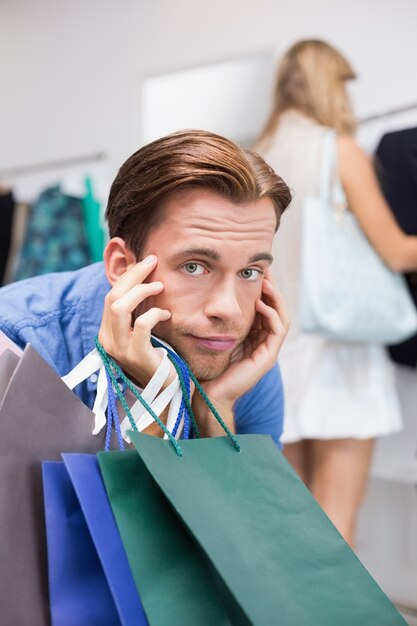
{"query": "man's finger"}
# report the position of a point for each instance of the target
(144, 325)
(134, 275)
(271, 322)
(124, 305)
(277, 301)
(121, 309)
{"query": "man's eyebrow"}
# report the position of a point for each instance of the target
(190, 252)
(261, 256)
(215, 256)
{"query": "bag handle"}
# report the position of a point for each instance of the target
(331, 190)
(234, 441)
(110, 371)
(158, 405)
(114, 369)
(328, 162)
(112, 417)
(174, 358)
(92, 363)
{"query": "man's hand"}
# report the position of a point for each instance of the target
(131, 347)
(252, 360)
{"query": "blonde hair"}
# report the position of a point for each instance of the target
(311, 78)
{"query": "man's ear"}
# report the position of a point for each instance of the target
(117, 259)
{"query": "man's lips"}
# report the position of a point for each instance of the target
(216, 342)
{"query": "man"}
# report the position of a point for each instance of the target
(191, 218)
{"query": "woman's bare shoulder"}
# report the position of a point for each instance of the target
(351, 157)
(349, 147)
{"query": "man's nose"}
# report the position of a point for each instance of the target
(222, 302)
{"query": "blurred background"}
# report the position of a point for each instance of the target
(84, 84)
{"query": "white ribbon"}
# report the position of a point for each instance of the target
(92, 363)
(157, 403)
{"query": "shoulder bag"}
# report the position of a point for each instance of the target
(347, 291)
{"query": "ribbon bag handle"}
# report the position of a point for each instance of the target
(203, 394)
(93, 362)
(144, 413)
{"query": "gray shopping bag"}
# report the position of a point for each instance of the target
(40, 418)
(8, 364)
(8, 344)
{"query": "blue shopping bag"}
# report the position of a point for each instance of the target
(79, 588)
(85, 476)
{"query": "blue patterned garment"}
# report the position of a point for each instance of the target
(56, 238)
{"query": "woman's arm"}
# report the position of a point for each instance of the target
(365, 199)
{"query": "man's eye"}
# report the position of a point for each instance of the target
(194, 268)
(250, 274)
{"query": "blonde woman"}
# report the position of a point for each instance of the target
(339, 396)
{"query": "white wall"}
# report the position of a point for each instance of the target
(66, 79)
(71, 71)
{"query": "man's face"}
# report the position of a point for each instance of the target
(212, 254)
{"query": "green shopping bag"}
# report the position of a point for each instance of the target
(173, 581)
(272, 550)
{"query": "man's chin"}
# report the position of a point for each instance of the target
(205, 364)
(208, 367)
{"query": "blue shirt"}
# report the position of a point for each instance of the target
(60, 314)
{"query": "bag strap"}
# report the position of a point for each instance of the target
(112, 417)
(331, 190)
(328, 163)
(178, 390)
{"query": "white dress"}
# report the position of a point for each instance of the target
(332, 389)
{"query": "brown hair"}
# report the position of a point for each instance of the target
(311, 78)
(182, 161)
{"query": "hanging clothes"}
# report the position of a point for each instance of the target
(396, 166)
(20, 222)
(93, 221)
(56, 237)
(7, 207)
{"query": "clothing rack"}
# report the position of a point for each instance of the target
(44, 166)
(389, 113)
